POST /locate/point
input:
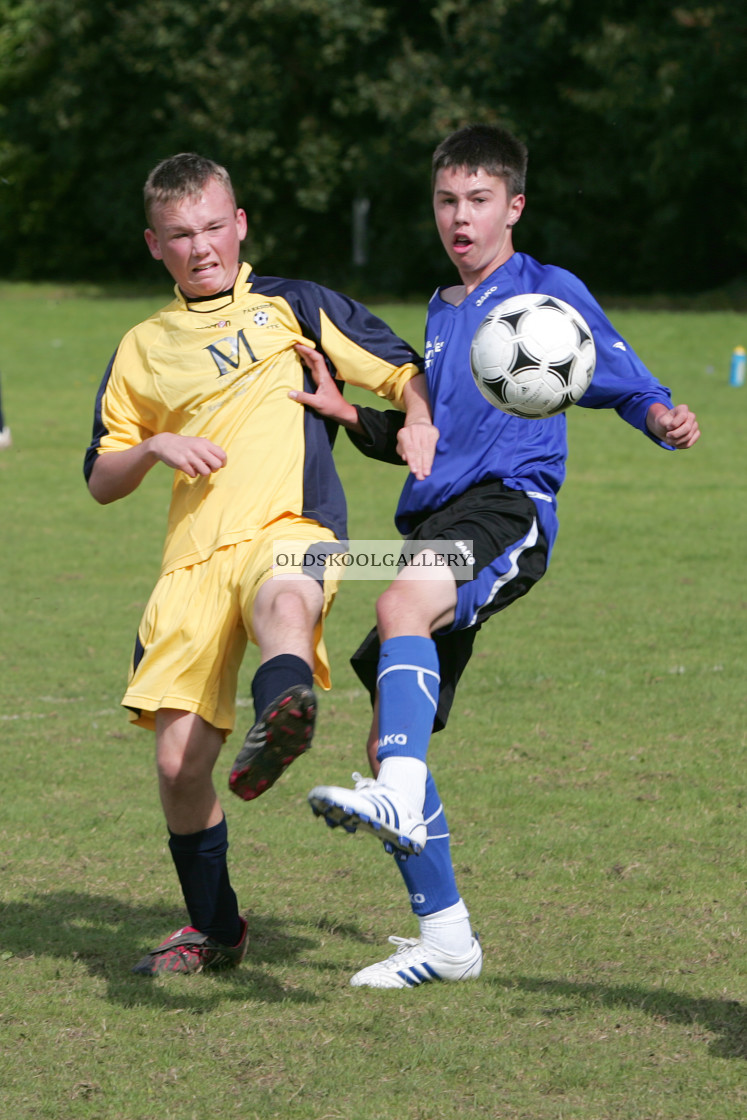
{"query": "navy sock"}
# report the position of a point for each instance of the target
(275, 676)
(201, 864)
(429, 877)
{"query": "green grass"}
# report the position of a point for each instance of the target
(593, 772)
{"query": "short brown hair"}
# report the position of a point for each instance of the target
(488, 147)
(182, 176)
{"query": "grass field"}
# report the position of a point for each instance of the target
(593, 772)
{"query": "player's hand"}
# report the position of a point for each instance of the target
(416, 444)
(191, 454)
(327, 399)
(676, 426)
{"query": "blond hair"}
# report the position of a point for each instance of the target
(182, 176)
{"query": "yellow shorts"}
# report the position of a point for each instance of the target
(193, 634)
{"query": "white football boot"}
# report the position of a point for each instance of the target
(371, 807)
(414, 963)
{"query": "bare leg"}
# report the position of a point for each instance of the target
(373, 739)
(420, 600)
(187, 749)
(285, 615)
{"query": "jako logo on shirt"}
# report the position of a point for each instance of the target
(231, 360)
(398, 740)
(484, 296)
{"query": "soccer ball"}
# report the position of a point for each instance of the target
(533, 356)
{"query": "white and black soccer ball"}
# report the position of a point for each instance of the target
(533, 356)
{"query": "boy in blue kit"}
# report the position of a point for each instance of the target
(494, 482)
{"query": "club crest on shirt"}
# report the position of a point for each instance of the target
(226, 353)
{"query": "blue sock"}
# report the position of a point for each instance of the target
(408, 682)
(200, 861)
(275, 676)
(429, 877)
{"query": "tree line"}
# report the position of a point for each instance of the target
(326, 113)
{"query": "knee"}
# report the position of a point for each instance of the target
(401, 609)
(186, 748)
(389, 607)
(288, 606)
(290, 609)
(179, 773)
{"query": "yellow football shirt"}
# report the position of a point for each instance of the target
(222, 368)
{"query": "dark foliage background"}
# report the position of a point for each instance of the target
(635, 113)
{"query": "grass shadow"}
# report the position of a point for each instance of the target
(724, 1018)
(108, 935)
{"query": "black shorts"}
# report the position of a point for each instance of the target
(510, 556)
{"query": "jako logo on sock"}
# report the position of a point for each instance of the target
(398, 740)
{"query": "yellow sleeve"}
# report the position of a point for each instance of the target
(360, 367)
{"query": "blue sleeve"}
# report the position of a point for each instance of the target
(621, 380)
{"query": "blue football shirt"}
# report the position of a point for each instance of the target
(478, 441)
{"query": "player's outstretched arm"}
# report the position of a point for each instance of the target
(116, 474)
(677, 426)
(416, 441)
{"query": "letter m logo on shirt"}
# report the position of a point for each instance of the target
(226, 353)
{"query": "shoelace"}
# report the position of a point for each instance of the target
(405, 944)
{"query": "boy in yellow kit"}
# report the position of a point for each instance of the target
(205, 387)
